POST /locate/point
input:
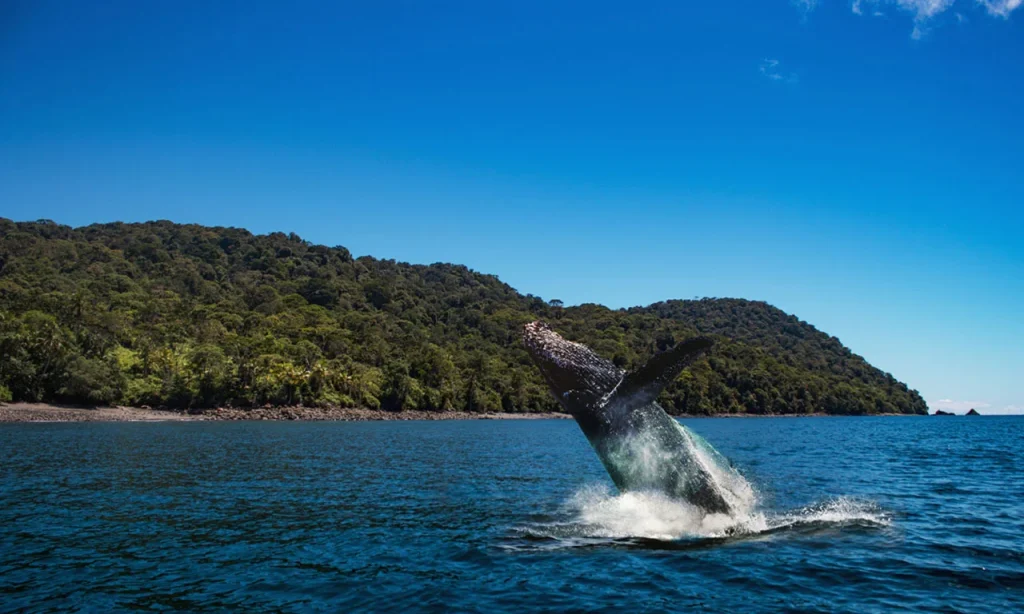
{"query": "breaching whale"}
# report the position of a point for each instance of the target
(641, 446)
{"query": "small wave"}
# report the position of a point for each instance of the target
(594, 516)
(836, 511)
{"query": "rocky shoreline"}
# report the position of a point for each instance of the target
(358, 415)
(45, 412)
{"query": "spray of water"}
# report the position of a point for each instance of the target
(681, 465)
(594, 516)
(732, 486)
(596, 513)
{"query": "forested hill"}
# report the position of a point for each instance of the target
(163, 314)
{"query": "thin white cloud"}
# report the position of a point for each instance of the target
(919, 31)
(925, 11)
(922, 9)
(807, 5)
(771, 69)
(858, 9)
(1000, 8)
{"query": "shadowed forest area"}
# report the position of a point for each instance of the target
(185, 316)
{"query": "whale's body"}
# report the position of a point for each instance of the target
(641, 446)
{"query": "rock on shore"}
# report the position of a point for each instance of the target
(42, 412)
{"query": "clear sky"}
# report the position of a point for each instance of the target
(858, 164)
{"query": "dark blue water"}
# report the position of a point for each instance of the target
(855, 514)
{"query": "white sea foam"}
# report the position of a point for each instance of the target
(596, 513)
(840, 510)
(599, 513)
(649, 465)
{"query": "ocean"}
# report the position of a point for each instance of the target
(875, 514)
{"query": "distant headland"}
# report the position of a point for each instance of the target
(187, 317)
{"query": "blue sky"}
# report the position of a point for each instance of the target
(858, 164)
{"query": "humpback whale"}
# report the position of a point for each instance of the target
(641, 446)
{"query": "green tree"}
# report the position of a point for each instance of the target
(92, 380)
(185, 315)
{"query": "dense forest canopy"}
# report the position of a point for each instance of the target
(185, 316)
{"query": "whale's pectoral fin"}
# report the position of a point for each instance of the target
(643, 386)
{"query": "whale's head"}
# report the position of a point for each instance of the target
(578, 377)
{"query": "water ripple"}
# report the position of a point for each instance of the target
(874, 515)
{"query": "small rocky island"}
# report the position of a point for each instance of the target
(939, 412)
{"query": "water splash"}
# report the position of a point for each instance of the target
(836, 511)
(651, 515)
(667, 457)
(733, 487)
(594, 516)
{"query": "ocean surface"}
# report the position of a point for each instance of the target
(852, 514)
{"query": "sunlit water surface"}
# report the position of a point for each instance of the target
(852, 514)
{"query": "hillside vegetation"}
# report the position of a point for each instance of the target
(184, 316)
